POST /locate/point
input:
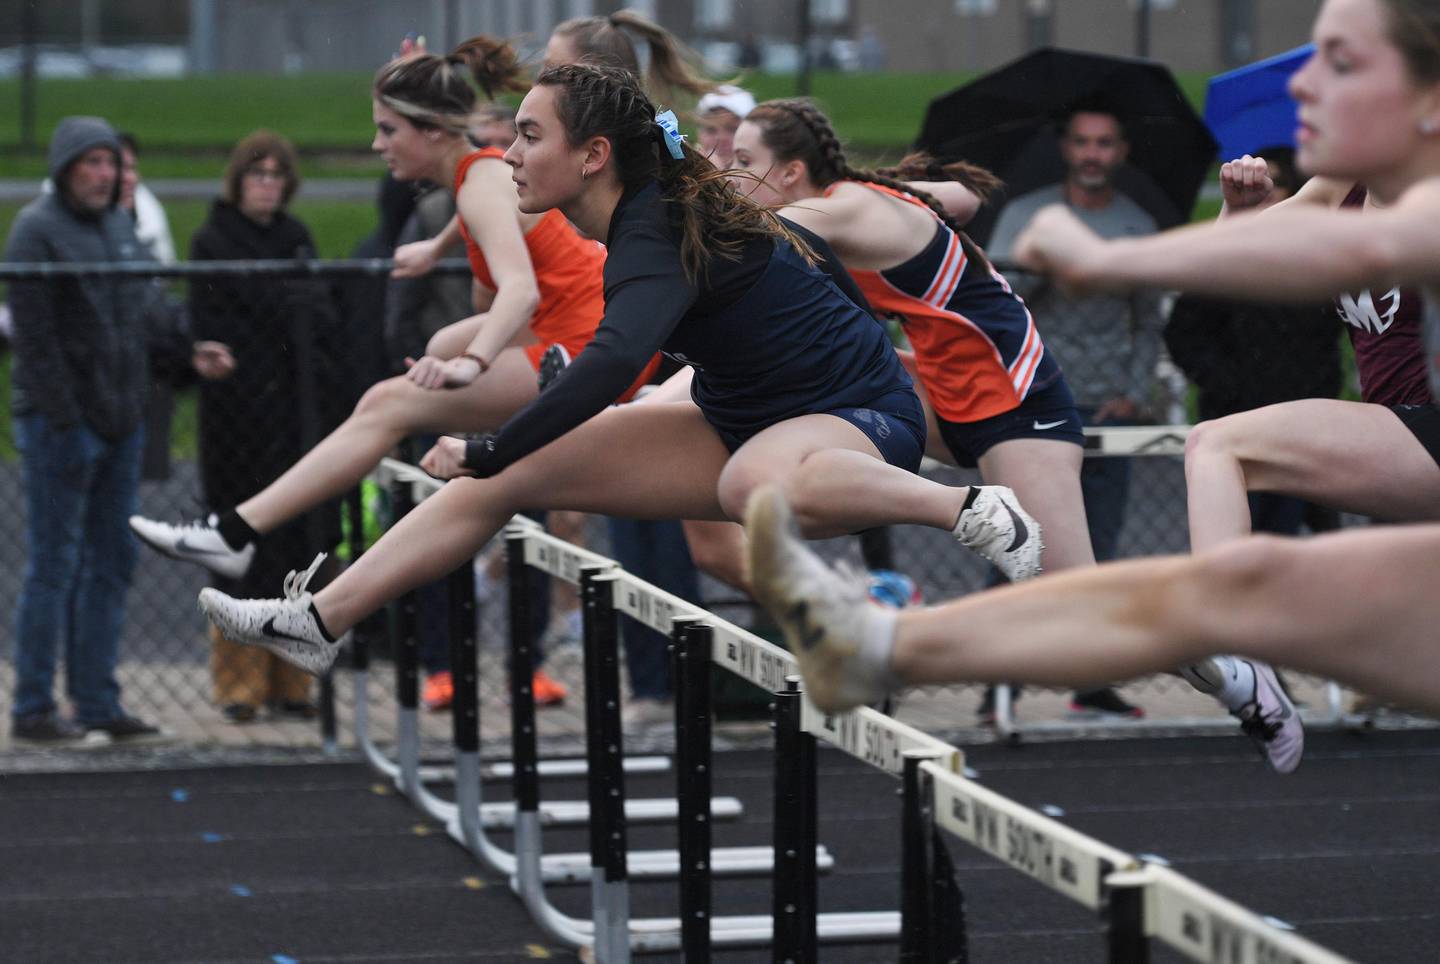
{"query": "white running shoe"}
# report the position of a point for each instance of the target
(1000, 530)
(287, 627)
(823, 613)
(1271, 721)
(198, 542)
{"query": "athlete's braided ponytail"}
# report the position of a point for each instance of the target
(716, 220)
(921, 166)
(795, 129)
(431, 90)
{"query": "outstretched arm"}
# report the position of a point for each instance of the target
(1295, 253)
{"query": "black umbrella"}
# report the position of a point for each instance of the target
(1008, 119)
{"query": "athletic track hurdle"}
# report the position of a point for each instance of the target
(1136, 901)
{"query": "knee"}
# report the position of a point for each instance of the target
(737, 481)
(380, 398)
(1237, 589)
(1211, 439)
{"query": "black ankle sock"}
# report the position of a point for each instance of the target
(969, 501)
(320, 623)
(236, 531)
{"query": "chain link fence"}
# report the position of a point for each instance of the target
(308, 340)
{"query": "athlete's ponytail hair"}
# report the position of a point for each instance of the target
(434, 90)
(605, 41)
(921, 166)
(794, 129)
(716, 220)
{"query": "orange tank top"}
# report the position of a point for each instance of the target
(977, 351)
(569, 272)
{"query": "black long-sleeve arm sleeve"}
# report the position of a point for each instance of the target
(646, 296)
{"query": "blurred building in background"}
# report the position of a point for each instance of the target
(169, 37)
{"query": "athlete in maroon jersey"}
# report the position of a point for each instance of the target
(1385, 328)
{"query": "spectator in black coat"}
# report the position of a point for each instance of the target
(257, 423)
(1244, 355)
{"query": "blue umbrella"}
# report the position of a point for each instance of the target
(1251, 108)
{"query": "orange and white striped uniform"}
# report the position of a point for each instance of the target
(977, 351)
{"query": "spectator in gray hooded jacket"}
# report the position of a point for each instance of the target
(81, 373)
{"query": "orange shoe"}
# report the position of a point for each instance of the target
(439, 691)
(546, 690)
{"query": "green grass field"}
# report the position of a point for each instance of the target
(186, 125)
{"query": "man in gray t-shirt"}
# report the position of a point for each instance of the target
(1107, 344)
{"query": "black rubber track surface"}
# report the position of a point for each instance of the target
(326, 863)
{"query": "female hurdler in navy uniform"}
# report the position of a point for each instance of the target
(793, 383)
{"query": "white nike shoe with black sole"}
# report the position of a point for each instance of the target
(287, 627)
(197, 542)
(1001, 531)
(824, 614)
(1271, 721)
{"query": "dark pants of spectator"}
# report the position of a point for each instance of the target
(80, 490)
(1105, 484)
(657, 553)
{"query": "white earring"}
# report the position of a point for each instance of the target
(584, 174)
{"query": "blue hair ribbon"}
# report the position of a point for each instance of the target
(673, 138)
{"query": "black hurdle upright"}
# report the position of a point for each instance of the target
(795, 903)
(1125, 938)
(525, 776)
(691, 644)
(605, 756)
(407, 670)
(464, 824)
(932, 911)
(359, 641)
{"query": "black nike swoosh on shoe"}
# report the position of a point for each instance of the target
(268, 629)
(183, 546)
(1021, 532)
(1284, 713)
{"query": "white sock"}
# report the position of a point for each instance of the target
(1229, 680)
(877, 645)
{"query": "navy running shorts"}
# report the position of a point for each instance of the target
(1047, 414)
(1424, 422)
(895, 422)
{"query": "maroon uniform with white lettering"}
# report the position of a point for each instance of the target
(1387, 332)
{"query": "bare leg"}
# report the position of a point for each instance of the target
(591, 469)
(389, 412)
(1043, 472)
(718, 548)
(1358, 607)
(835, 479)
(1347, 455)
(1046, 477)
(830, 466)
